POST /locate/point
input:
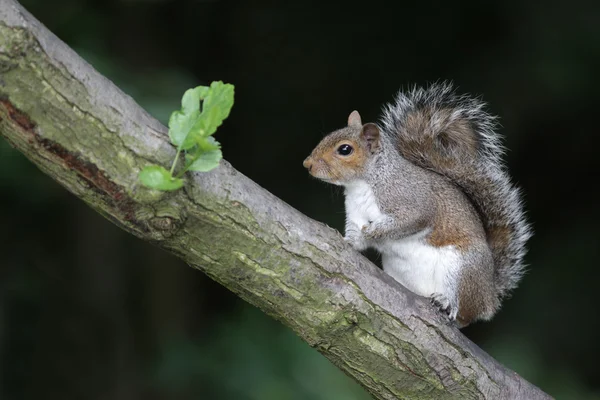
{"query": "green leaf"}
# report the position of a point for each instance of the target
(188, 125)
(191, 99)
(220, 97)
(190, 129)
(180, 125)
(182, 121)
(208, 144)
(157, 177)
(207, 123)
(216, 107)
(206, 161)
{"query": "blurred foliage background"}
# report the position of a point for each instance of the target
(89, 312)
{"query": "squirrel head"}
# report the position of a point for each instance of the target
(342, 155)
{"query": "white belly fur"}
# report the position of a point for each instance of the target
(420, 267)
(361, 206)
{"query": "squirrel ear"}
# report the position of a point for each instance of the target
(370, 134)
(354, 119)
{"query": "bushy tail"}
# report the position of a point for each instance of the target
(454, 136)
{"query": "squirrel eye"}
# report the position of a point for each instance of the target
(345, 150)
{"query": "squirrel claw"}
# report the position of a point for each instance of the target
(366, 226)
(444, 305)
(370, 230)
(355, 240)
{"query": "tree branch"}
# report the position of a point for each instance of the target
(84, 132)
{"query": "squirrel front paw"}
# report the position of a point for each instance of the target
(368, 230)
(444, 304)
(355, 239)
(375, 230)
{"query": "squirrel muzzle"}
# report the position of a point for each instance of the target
(308, 164)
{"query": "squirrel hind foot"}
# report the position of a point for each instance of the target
(442, 302)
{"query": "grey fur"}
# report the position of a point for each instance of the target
(483, 178)
(431, 180)
(414, 197)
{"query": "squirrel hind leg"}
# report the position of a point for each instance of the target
(478, 298)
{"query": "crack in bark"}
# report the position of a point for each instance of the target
(18, 116)
(96, 179)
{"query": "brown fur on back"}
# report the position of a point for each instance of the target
(447, 230)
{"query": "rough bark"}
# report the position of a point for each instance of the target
(85, 133)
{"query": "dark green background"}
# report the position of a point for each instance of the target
(89, 312)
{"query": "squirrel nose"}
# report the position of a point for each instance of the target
(308, 164)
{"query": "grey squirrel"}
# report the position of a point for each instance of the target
(428, 189)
